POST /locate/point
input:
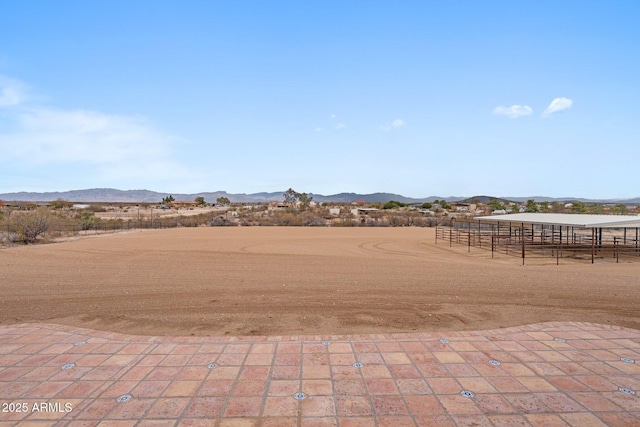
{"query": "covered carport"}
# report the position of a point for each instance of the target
(580, 236)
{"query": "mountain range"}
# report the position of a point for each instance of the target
(111, 195)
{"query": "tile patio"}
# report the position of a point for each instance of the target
(551, 374)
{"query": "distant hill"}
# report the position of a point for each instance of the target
(111, 195)
(486, 199)
(146, 196)
(375, 197)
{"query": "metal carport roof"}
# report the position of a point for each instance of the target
(575, 220)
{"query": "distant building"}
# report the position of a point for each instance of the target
(363, 211)
(463, 207)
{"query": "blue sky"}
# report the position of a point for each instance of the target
(413, 97)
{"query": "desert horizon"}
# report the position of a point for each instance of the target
(106, 195)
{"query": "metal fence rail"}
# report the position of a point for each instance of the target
(61, 228)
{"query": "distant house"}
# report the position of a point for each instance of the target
(363, 211)
(359, 203)
(334, 211)
(464, 207)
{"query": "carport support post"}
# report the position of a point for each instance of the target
(560, 234)
(469, 236)
(593, 245)
(559, 247)
(599, 238)
(522, 239)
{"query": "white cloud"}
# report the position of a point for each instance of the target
(514, 111)
(318, 129)
(12, 92)
(558, 104)
(341, 126)
(396, 124)
(333, 116)
(113, 147)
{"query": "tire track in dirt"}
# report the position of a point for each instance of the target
(280, 280)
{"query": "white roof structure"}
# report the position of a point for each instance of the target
(575, 220)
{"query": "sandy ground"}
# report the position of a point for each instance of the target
(292, 281)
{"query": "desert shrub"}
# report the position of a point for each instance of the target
(396, 221)
(287, 219)
(30, 225)
(413, 219)
(376, 222)
(311, 220)
(344, 223)
(265, 221)
(61, 204)
(88, 221)
(421, 222)
(221, 222)
(7, 237)
(96, 208)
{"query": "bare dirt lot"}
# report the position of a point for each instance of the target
(293, 281)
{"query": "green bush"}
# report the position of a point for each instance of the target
(88, 221)
(392, 204)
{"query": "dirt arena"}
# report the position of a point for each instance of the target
(294, 281)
